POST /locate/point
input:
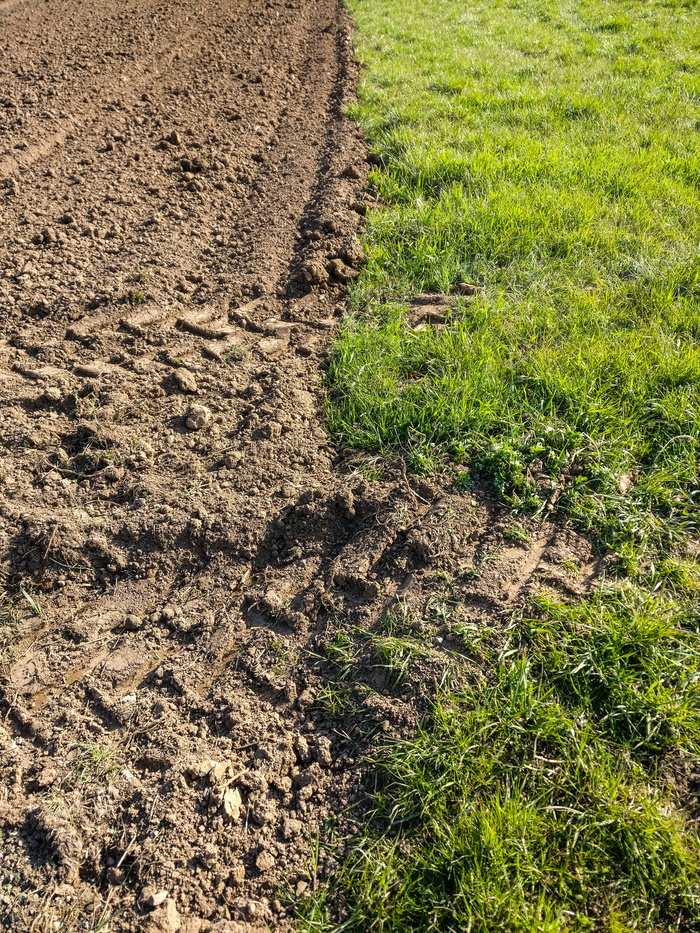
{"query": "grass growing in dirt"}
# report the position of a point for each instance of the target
(550, 153)
(91, 764)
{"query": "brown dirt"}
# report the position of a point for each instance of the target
(179, 196)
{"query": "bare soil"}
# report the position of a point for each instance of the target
(180, 195)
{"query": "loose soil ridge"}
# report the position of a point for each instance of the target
(180, 195)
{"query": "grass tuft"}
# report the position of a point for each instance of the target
(90, 763)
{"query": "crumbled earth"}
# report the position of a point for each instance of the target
(180, 196)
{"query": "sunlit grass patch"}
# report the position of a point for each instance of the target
(550, 153)
(90, 763)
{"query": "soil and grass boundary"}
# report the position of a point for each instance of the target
(539, 190)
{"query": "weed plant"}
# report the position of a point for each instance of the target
(550, 153)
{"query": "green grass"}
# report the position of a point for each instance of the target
(90, 764)
(549, 152)
(388, 650)
(554, 795)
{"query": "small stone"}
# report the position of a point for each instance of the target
(166, 919)
(301, 747)
(199, 769)
(175, 138)
(156, 899)
(152, 899)
(301, 887)
(245, 908)
(197, 416)
(265, 861)
(323, 752)
(272, 347)
(186, 380)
